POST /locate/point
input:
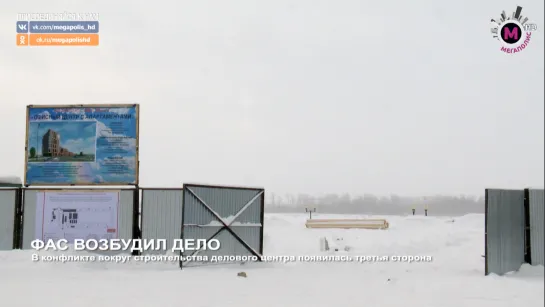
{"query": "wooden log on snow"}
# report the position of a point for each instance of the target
(348, 223)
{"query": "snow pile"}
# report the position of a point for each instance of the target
(10, 180)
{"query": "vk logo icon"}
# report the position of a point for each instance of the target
(22, 26)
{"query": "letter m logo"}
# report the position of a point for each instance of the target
(510, 34)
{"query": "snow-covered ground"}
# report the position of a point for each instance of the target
(455, 277)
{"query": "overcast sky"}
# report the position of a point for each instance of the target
(393, 96)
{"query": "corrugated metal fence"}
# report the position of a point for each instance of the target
(513, 226)
(233, 216)
(536, 206)
(504, 250)
(9, 218)
(514, 221)
(161, 216)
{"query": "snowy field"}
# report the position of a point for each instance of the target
(454, 278)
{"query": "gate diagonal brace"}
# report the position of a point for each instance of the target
(227, 224)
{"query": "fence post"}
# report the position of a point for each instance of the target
(136, 234)
(17, 225)
(310, 212)
(527, 229)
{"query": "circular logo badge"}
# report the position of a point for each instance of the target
(511, 32)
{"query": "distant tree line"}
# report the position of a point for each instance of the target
(438, 205)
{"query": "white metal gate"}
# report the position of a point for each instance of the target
(231, 215)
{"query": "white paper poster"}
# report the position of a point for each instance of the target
(77, 215)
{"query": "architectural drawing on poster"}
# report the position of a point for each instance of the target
(77, 215)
